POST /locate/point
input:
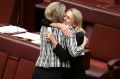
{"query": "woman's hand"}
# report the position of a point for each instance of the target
(64, 28)
(50, 37)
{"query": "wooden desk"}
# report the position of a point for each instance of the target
(96, 12)
(19, 48)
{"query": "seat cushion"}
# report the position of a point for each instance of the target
(98, 69)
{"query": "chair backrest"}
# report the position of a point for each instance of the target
(105, 42)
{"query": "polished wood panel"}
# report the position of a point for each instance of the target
(19, 12)
(97, 12)
(19, 48)
(111, 2)
(6, 10)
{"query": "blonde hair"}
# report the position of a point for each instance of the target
(55, 11)
(78, 18)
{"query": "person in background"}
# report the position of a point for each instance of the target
(72, 17)
(48, 65)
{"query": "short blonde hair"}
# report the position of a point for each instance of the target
(55, 11)
(78, 19)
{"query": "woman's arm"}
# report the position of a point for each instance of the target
(73, 48)
(61, 53)
(58, 49)
(65, 29)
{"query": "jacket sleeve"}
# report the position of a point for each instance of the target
(79, 38)
(61, 53)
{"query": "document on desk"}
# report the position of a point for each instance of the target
(36, 42)
(29, 36)
(10, 29)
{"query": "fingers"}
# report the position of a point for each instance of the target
(67, 33)
(49, 36)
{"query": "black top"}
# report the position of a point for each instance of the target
(46, 22)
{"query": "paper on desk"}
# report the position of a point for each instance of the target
(11, 29)
(36, 42)
(28, 35)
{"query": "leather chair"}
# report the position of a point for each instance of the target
(104, 47)
(114, 68)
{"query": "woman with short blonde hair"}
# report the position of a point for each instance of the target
(55, 12)
(48, 65)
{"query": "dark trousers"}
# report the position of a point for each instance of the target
(48, 73)
(74, 74)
